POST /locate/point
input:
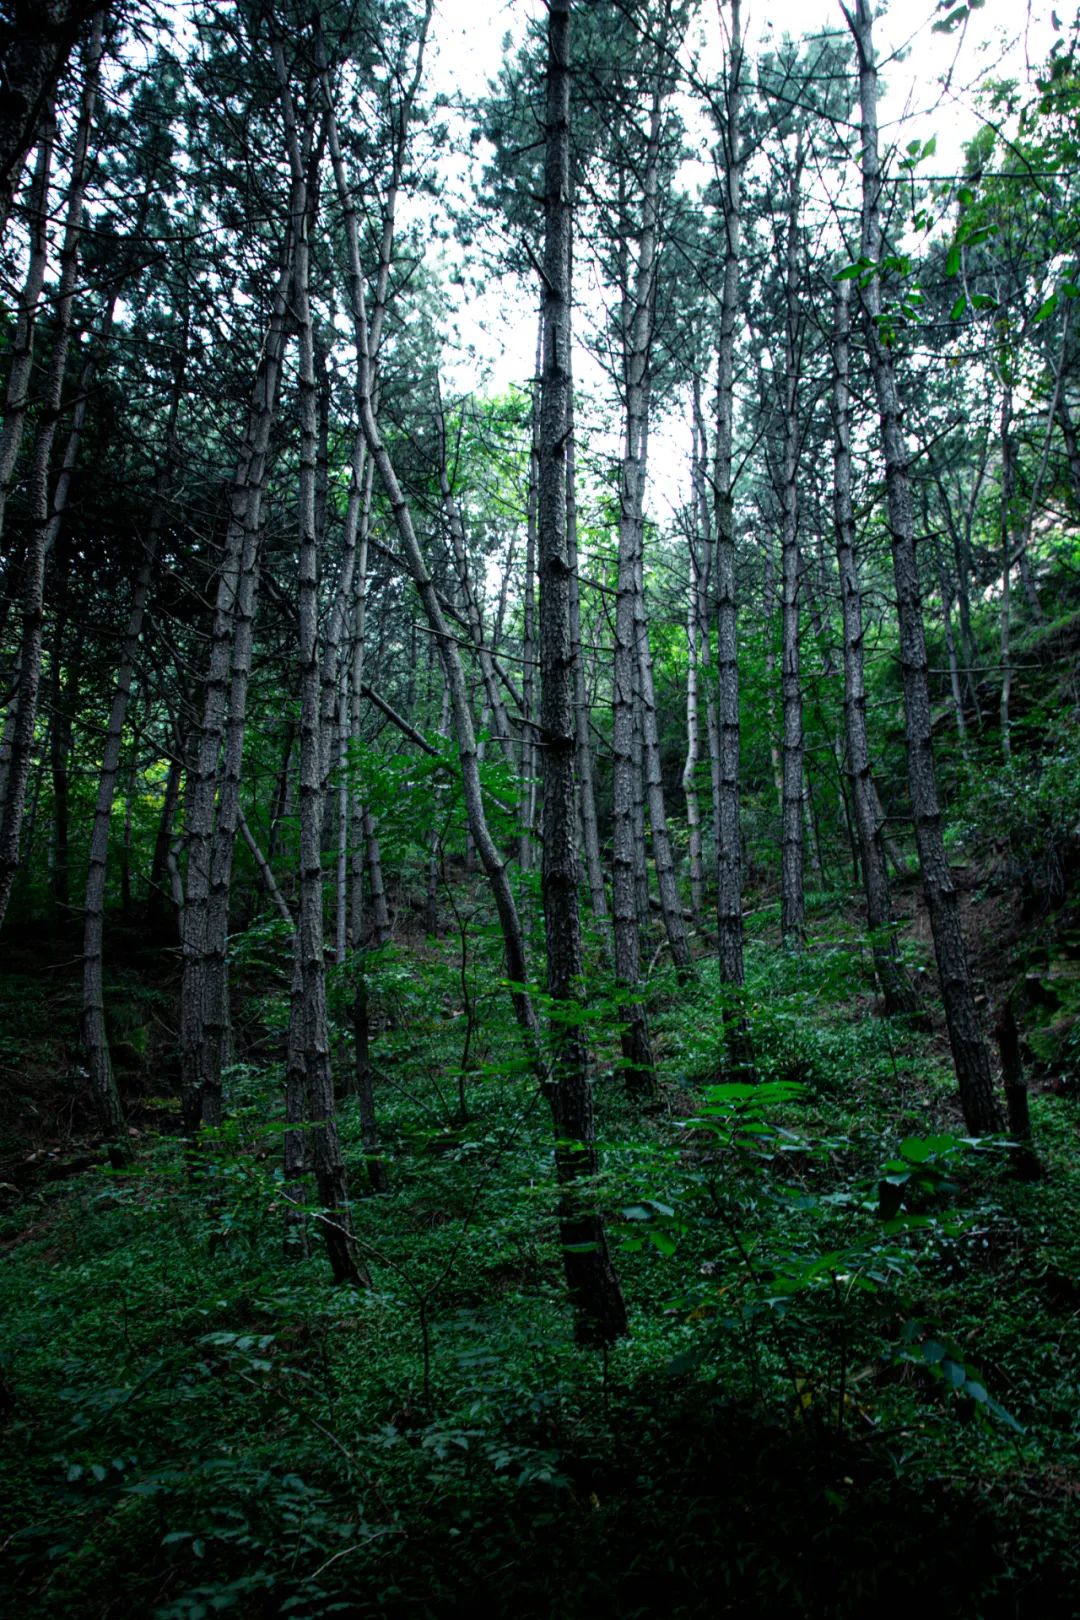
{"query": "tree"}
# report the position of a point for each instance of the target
(970, 1055)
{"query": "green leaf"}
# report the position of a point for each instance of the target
(957, 311)
(1047, 308)
(933, 1350)
(952, 261)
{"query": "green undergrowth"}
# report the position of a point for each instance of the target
(851, 1379)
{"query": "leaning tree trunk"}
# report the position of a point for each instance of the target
(35, 60)
(593, 1286)
(20, 747)
(970, 1055)
(16, 397)
(896, 988)
(413, 558)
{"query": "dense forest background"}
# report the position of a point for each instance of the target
(539, 952)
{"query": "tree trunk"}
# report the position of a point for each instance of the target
(95, 1039)
(637, 1059)
(970, 1055)
(21, 743)
(793, 902)
(16, 399)
(529, 758)
(637, 344)
(204, 992)
(693, 742)
(413, 558)
(593, 1286)
(728, 832)
(583, 745)
(327, 1161)
(896, 988)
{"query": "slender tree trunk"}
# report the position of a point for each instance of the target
(159, 865)
(17, 393)
(586, 787)
(728, 831)
(1007, 527)
(955, 688)
(21, 744)
(793, 902)
(1072, 449)
(328, 1164)
(626, 840)
(412, 556)
(970, 1054)
(637, 345)
(65, 703)
(693, 742)
(896, 988)
(593, 1286)
(94, 1036)
(494, 703)
(704, 529)
(529, 760)
(204, 991)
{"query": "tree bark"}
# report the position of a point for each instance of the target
(728, 831)
(969, 1050)
(16, 396)
(593, 1286)
(94, 1035)
(792, 891)
(896, 988)
(328, 1164)
(21, 744)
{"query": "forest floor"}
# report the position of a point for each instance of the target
(852, 1376)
